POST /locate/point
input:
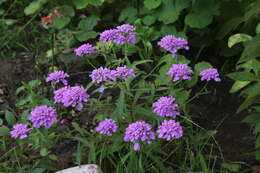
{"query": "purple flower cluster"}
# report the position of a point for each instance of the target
(102, 75)
(56, 77)
(107, 126)
(180, 71)
(165, 107)
(173, 44)
(122, 34)
(20, 131)
(108, 35)
(124, 72)
(71, 96)
(85, 49)
(169, 129)
(43, 116)
(139, 131)
(106, 75)
(210, 74)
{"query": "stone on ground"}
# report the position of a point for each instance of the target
(89, 168)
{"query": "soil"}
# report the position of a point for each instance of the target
(218, 111)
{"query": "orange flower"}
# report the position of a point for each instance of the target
(57, 13)
(47, 19)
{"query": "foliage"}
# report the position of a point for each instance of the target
(247, 80)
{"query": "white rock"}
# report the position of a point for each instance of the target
(89, 168)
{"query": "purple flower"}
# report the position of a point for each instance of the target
(124, 72)
(165, 107)
(169, 129)
(71, 96)
(101, 88)
(103, 75)
(20, 130)
(108, 35)
(180, 71)
(85, 49)
(43, 116)
(106, 127)
(122, 34)
(210, 74)
(126, 34)
(56, 77)
(139, 131)
(173, 44)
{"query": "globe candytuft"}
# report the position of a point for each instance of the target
(43, 116)
(180, 71)
(170, 129)
(210, 74)
(20, 131)
(165, 107)
(137, 132)
(71, 96)
(173, 44)
(56, 77)
(107, 127)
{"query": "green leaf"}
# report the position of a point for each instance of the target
(34, 83)
(257, 128)
(252, 118)
(152, 4)
(78, 128)
(238, 85)
(2, 1)
(149, 20)
(203, 163)
(257, 29)
(202, 66)
(8, 21)
(4, 131)
(22, 102)
(96, 2)
(2, 11)
(18, 90)
(86, 35)
(238, 38)
(34, 6)
(44, 152)
(60, 22)
(10, 118)
(233, 167)
(67, 11)
(79, 153)
(198, 20)
(168, 30)
(120, 106)
(181, 96)
(248, 102)
(229, 26)
(255, 65)
(251, 50)
(253, 90)
(88, 23)
(242, 76)
(128, 15)
(81, 3)
(53, 157)
(170, 10)
(38, 170)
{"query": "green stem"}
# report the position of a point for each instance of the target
(197, 94)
